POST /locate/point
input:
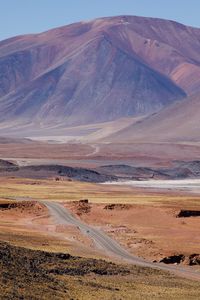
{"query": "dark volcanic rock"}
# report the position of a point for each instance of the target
(188, 213)
(192, 166)
(194, 259)
(134, 173)
(179, 171)
(98, 175)
(80, 174)
(7, 166)
(174, 259)
(126, 170)
(191, 260)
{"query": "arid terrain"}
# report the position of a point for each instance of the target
(62, 276)
(147, 223)
(155, 226)
(140, 219)
(100, 162)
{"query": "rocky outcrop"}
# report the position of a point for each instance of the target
(174, 259)
(75, 173)
(7, 166)
(191, 260)
(82, 206)
(117, 206)
(194, 259)
(188, 213)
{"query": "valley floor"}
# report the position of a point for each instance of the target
(149, 222)
(143, 222)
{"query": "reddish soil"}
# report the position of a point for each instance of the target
(150, 232)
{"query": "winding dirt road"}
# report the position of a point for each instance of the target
(62, 216)
(96, 150)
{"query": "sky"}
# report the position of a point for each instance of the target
(33, 16)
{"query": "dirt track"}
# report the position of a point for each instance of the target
(62, 216)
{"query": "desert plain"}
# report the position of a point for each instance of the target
(147, 222)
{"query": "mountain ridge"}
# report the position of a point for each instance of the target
(177, 123)
(120, 66)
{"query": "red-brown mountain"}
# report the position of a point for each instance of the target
(98, 70)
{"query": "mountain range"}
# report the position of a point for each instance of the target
(101, 71)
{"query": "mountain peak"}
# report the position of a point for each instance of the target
(98, 70)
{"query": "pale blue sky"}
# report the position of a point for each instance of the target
(30, 16)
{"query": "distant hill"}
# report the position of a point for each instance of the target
(7, 166)
(176, 123)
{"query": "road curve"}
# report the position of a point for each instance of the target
(62, 216)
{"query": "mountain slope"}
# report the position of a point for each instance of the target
(168, 47)
(101, 79)
(178, 123)
(98, 71)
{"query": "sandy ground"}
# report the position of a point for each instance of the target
(30, 225)
(146, 154)
(145, 223)
(149, 232)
